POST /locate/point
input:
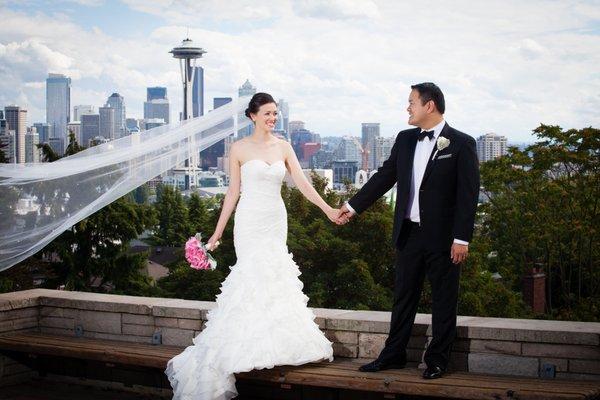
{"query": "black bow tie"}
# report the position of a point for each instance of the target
(424, 134)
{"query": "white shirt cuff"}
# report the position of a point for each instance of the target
(349, 207)
(458, 241)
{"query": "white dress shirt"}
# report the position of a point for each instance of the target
(423, 152)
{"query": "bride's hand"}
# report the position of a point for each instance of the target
(332, 214)
(213, 242)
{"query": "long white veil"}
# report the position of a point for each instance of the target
(39, 201)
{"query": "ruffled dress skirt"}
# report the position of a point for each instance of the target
(261, 318)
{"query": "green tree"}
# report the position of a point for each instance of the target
(198, 215)
(544, 211)
(174, 227)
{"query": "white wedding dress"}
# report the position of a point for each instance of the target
(261, 318)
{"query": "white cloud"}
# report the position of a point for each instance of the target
(504, 66)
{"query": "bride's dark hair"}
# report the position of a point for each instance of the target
(259, 99)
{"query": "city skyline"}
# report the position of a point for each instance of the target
(337, 64)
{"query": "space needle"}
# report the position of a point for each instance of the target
(187, 54)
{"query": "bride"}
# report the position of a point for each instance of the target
(261, 318)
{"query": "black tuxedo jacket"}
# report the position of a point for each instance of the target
(448, 194)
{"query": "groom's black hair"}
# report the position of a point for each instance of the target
(431, 91)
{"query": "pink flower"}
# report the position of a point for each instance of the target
(197, 256)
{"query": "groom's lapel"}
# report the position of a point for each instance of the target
(431, 162)
(410, 151)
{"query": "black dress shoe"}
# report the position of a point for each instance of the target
(433, 372)
(379, 365)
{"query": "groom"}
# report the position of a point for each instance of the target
(436, 171)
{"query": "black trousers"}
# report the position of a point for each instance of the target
(413, 263)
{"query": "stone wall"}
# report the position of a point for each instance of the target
(487, 345)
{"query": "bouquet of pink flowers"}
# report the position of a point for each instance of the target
(197, 254)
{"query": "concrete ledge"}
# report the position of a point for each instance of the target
(489, 345)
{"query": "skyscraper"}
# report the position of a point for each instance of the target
(210, 157)
(283, 120)
(117, 102)
(381, 147)
(80, 110)
(2, 122)
(7, 145)
(349, 149)
(58, 104)
(246, 89)
(90, 128)
(44, 131)
(198, 92)
(32, 153)
(156, 92)
(294, 126)
(490, 146)
(370, 131)
(106, 122)
(16, 120)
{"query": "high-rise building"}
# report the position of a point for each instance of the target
(298, 138)
(8, 145)
(381, 147)
(3, 128)
(155, 93)
(132, 125)
(157, 104)
(117, 102)
(209, 157)
(32, 153)
(490, 146)
(58, 145)
(198, 92)
(75, 127)
(349, 149)
(16, 120)
(80, 110)
(294, 126)
(90, 128)
(370, 131)
(44, 131)
(322, 159)
(283, 120)
(246, 89)
(344, 171)
(107, 126)
(58, 104)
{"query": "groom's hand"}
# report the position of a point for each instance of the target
(458, 252)
(344, 215)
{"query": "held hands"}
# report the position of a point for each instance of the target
(344, 215)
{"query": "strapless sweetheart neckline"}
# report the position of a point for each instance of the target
(263, 161)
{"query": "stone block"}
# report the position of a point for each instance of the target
(459, 361)
(18, 324)
(57, 331)
(585, 366)
(348, 337)
(177, 312)
(561, 351)
(345, 350)
(503, 364)
(57, 322)
(360, 321)
(99, 321)
(19, 313)
(370, 344)
(565, 337)
(560, 364)
(139, 330)
(168, 322)
(494, 346)
(194, 324)
(177, 337)
(47, 311)
(137, 319)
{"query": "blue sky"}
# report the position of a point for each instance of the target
(504, 66)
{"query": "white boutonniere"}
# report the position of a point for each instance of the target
(442, 143)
